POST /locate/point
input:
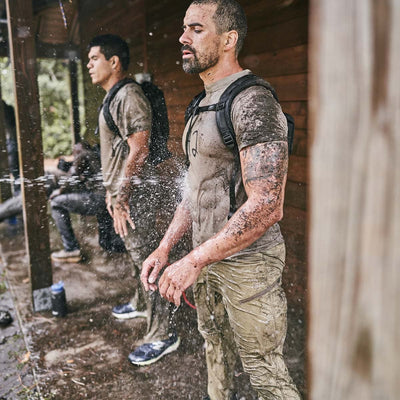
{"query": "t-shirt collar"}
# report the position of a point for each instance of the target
(224, 82)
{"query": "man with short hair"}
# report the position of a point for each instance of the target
(132, 186)
(236, 263)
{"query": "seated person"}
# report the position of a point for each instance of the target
(82, 192)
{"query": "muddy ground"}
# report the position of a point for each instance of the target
(84, 355)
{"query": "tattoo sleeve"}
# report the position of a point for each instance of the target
(264, 169)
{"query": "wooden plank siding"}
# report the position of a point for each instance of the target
(276, 49)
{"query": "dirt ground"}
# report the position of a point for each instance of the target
(84, 355)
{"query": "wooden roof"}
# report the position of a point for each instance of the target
(56, 28)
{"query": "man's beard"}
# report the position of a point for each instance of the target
(194, 65)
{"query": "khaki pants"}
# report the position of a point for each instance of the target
(140, 243)
(241, 305)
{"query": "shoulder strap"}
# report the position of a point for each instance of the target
(194, 104)
(223, 114)
(191, 110)
(107, 101)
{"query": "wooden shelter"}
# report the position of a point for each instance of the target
(354, 101)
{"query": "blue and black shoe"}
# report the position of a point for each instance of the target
(127, 311)
(149, 353)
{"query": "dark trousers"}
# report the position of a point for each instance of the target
(78, 203)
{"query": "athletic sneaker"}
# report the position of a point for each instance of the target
(73, 256)
(149, 353)
(127, 311)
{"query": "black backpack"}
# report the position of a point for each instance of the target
(159, 125)
(223, 115)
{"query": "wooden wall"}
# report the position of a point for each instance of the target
(276, 49)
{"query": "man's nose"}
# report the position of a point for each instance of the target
(185, 39)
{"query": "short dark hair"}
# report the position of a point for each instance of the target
(112, 45)
(229, 15)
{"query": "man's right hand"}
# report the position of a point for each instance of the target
(151, 268)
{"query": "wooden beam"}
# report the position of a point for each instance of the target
(354, 330)
(5, 184)
(23, 58)
(73, 80)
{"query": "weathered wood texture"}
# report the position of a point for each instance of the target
(354, 227)
(73, 85)
(5, 186)
(27, 111)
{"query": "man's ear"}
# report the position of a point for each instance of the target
(231, 39)
(115, 63)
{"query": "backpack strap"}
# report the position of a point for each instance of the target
(225, 126)
(107, 101)
(223, 114)
(192, 110)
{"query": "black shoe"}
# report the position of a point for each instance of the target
(5, 318)
(149, 353)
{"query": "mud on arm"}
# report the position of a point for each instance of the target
(264, 170)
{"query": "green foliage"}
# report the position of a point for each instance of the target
(55, 103)
(55, 106)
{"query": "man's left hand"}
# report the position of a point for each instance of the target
(121, 215)
(177, 278)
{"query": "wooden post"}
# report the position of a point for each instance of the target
(354, 335)
(23, 58)
(5, 185)
(73, 79)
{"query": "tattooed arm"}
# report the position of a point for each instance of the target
(264, 169)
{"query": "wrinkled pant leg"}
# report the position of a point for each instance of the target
(259, 324)
(11, 207)
(157, 308)
(220, 347)
(63, 205)
(140, 243)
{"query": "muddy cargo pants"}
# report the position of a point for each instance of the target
(139, 243)
(241, 305)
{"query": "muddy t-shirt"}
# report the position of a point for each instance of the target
(257, 118)
(131, 112)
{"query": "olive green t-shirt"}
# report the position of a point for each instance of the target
(257, 118)
(131, 112)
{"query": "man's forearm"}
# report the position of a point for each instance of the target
(264, 169)
(247, 225)
(179, 225)
(138, 152)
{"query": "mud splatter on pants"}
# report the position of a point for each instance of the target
(241, 305)
(140, 243)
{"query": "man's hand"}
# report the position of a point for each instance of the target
(109, 204)
(177, 278)
(121, 215)
(55, 193)
(152, 266)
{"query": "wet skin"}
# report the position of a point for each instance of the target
(264, 169)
